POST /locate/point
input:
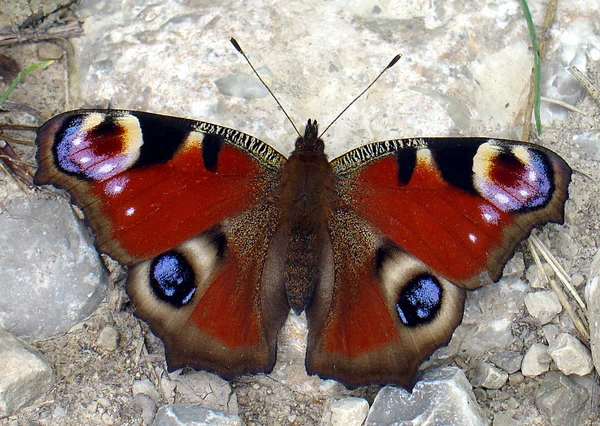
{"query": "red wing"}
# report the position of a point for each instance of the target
(458, 205)
(217, 300)
(379, 313)
(148, 182)
(454, 211)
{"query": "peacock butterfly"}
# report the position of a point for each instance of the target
(222, 235)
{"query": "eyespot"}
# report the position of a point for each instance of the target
(420, 300)
(172, 279)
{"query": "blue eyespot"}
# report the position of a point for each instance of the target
(420, 300)
(172, 279)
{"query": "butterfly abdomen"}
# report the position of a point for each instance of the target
(306, 194)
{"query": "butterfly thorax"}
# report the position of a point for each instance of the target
(306, 194)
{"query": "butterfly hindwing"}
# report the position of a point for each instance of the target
(381, 311)
(226, 317)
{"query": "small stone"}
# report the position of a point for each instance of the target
(104, 402)
(107, 419)
(550, 332)
(349, 411)
(488, 376)
(180, 414)
(108, 339)
(570, 355)
(508, 361)
(480, 394)
(577, 280)
(543, 306)
(24, 375)
(49, 51)
(503, 419)
(145, 387)
(563, 401)
(147, 406)
(537, 279)
(515, 266)
(516, 379)
(441, 396)
(536, 361)
(512, 403)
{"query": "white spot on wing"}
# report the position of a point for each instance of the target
(130, 211)
(502, 198)
(473, 238)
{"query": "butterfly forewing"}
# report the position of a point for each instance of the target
(148, 182)
(460, 205)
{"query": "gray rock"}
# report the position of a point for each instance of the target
(51, 274)
(516, 379)
(190, 415)
(503, 419)
(208, 390)
(543, 306)
(145, 387)
(535, 278)
(562, 400)
(508, 361)
(515, 266)
(24, 375)
(349, 411)
(488, 376)
(147, 406)
(442, 396)
(570, 355)
(536, 361)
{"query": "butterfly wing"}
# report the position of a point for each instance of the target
(184, 203)
(148, 182)
(416, 217)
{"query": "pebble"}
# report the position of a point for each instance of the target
(543, 306)
(108, 339)
(349, 411)
(536, 361)
(488, 376)
(570, 355)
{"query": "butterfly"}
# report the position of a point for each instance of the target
(223, 236)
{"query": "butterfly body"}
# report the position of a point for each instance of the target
(222, 235)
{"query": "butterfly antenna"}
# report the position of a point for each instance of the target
(388, 66)
(239, 49)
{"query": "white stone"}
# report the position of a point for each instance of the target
(543, 306)
(24, 376)
(180, 414)
(570, 355)
(51, 274)
(536, 361)
(145, 387)
(349, 411)
(488, 376)
(442, 396)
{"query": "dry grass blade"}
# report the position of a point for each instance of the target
(586, 83)
(562, 104)
(580, 322)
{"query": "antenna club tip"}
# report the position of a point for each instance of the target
(235, 44)
(393, 61)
